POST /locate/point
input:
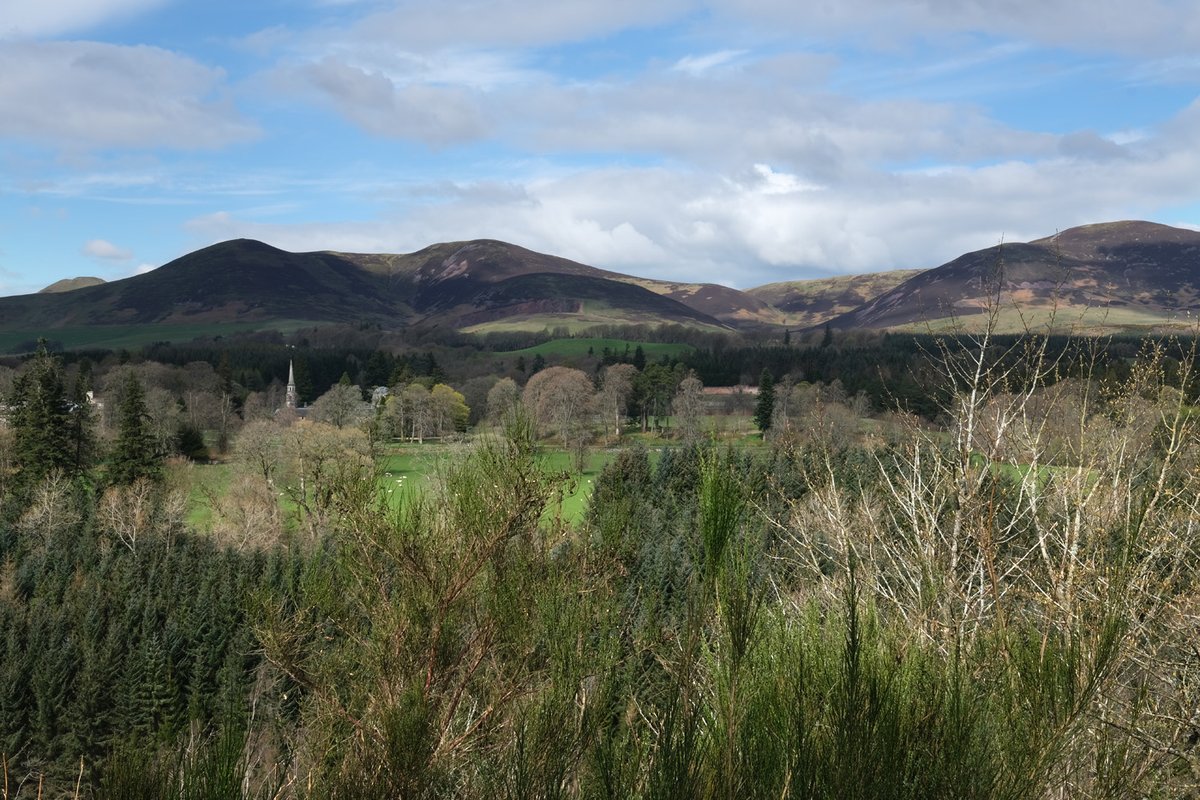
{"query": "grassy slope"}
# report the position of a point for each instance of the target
(118, 336)
(580, 346)
(812, 302)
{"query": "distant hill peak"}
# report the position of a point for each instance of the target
(71, 284)
(1125, 275)
(1092, 238)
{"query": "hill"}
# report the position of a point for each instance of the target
(71, 284)
(477, 285)
(812, 302)
(1126, 275)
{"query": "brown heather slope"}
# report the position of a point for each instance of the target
(813, 302)
(1095, 278)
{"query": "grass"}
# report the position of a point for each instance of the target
(201, 481)
(127, 336)
(580, 346)
(406, 468)
(581, 322)
(1084, 321)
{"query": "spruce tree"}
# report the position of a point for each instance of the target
(81, 426)
(765, 408)
(134, 455)
(40, 420)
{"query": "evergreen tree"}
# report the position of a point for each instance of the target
(134, 455)
(40, 420)
(81, 425)
(639, 358)
(827, 339)
(766, 401)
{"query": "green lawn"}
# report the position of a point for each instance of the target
(200, 481)
(408, 467)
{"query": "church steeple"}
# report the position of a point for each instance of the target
(290, 399)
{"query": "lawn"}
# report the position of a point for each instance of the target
(408, 467)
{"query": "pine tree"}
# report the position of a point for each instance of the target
(765, 408)
(134, 455)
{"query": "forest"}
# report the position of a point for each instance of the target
(927, 567)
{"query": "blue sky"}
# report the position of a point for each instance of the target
(733, 141)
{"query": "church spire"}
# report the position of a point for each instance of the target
(290, 399)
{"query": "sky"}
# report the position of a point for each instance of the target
(733, 141)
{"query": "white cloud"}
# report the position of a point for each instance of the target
(760, 222)
(89, 95)
(435, 114)
(464, 24)
(106, 251)
(1153, 27)
(698, 65)
(36, 18)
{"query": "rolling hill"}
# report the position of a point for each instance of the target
(812, 302)
(1112, 276)
(1130, 275)
(461, 285)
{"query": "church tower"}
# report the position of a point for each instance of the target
(290, 398)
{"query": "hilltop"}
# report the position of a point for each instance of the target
(1128, 275)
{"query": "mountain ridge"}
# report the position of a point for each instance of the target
(1141, 275)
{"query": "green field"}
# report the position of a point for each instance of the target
(112, 337)
(409, 467)
(580, 347)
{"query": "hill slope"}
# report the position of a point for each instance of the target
(458, 285)
(71, 284)
(1109, 276)
(238, 280)
(812, 302)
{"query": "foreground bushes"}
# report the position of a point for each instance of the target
(951, 615)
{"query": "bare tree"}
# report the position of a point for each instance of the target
(319, 461)
(559, 399)
(131, 512)
(259, 447)
(688, 408)
(616, 387)
(341, 406)
(502, 400)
